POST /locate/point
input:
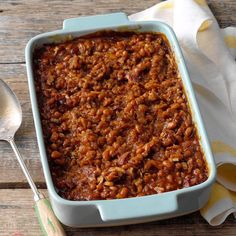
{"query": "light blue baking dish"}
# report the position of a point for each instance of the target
(131, 210)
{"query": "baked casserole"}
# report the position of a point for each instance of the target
(115, 117)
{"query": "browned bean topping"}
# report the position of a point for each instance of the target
(115, 118)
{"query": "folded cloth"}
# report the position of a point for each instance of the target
(210, 57)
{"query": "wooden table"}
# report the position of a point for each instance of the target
(19, 21)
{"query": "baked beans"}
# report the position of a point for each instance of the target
(115, 117)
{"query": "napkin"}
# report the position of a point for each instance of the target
(210, 54)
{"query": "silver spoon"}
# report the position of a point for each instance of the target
(10, 121)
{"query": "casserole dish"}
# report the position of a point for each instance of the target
(130, 210)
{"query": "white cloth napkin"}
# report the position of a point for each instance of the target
(210, 54)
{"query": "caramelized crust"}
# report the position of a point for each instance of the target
(115, 117)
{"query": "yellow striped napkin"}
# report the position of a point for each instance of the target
(210, 54)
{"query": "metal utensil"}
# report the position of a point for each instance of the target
(10, 121)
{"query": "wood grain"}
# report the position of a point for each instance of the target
(25, 20)
(17, 216)
(20, 20)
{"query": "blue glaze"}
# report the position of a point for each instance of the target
(132, 210)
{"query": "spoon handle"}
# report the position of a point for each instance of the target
(47, 219)
(49, 223)
(24, 169)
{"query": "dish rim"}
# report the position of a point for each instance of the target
(202, 135)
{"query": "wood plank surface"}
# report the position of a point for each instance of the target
(20, 20)
(26, 19)
(17, 218)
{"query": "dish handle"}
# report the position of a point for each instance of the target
(96, 21)
(138, 208)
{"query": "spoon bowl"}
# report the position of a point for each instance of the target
(10, 112)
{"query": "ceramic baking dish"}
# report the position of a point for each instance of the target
(130, 210)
